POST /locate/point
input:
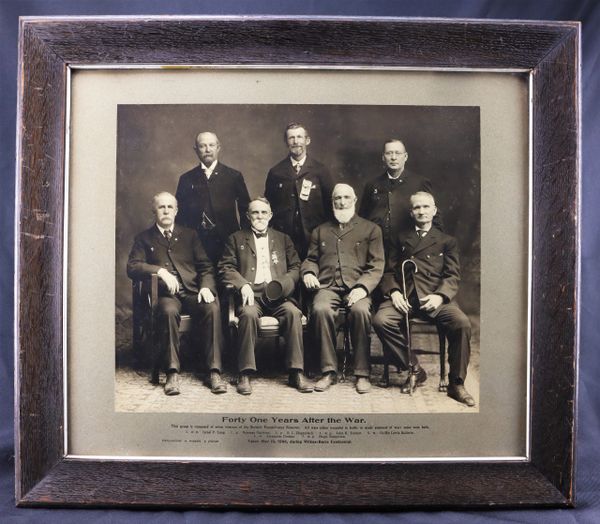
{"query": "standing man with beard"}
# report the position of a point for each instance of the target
(386, 199)
(262, 264)
(208, 195)
(344, 265)
(299, 189)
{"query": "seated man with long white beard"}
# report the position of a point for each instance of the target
(344, 264)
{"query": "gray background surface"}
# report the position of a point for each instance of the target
(588, 476)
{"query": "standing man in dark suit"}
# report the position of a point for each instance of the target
(262, 264)
(385, 200)
(186, 284)
(430, 294)
(208, 195)
(299, 190)
(345, 263)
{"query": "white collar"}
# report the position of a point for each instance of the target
(162, 229)
(209, 170)
(298, 162)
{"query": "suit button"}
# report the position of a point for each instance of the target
(168, 250)
(167, 264)
(412, 257)
(252, 269)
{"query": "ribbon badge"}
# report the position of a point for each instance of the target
(275, 258)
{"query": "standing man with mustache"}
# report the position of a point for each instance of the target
(299, 189)
(385, 199)
(208, 195)
(262, 264)
(344, 265)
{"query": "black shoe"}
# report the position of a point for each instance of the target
(243, 386)
(420, 378)
(460, 394)
(217, 385)
(325, 381)
(298, 380)
(172, 384)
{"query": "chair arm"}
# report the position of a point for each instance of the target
(230, 293)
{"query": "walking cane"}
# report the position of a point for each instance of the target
(411, 367)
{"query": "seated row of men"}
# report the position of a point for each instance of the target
(343, 266)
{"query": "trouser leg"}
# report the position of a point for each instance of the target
(208, 327)
(389, 324)
(168, 319)
(324, 311)
(247, 334)
(290, 321)
(457, 327)
(359, 318)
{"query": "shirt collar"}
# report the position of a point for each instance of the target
(298, 162)
(208, 170)
(256, 233)
(395, 177)
(162, 229)
(426, 229)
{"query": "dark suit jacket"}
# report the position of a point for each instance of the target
(437, 261)
(387, 203)
(238, 263)
(151, 252)
(282, 190)
(357, 249)
(225, 187)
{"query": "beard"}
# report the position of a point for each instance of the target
(343, 216)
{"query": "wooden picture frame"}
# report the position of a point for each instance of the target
(45, 475)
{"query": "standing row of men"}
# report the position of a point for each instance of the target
(343, 262)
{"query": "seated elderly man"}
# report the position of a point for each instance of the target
(430, 294)
(187, 283)
(262, 264)
(344, 265)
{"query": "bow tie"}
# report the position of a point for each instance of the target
(259, 235)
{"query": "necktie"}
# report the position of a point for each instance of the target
(168, 234)
(421, 233)
(297, 167)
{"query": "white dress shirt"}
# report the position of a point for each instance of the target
(263, 260)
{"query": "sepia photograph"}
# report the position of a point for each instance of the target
(298, 276)
(343, 282)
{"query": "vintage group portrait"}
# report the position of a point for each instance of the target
(306, 259)
(296, 267)
(387, 159)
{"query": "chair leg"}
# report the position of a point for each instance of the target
(386, 375)
(443, 375)
(346, 349)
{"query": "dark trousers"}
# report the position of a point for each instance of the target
(213, 244)
(206, 319)
(325, 308)
(390, 326)
(290, 328)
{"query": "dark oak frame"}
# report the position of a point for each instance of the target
(48, 47)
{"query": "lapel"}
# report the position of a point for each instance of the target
(249, 240)
(420, 244)
(349, 227)
(159, 237)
